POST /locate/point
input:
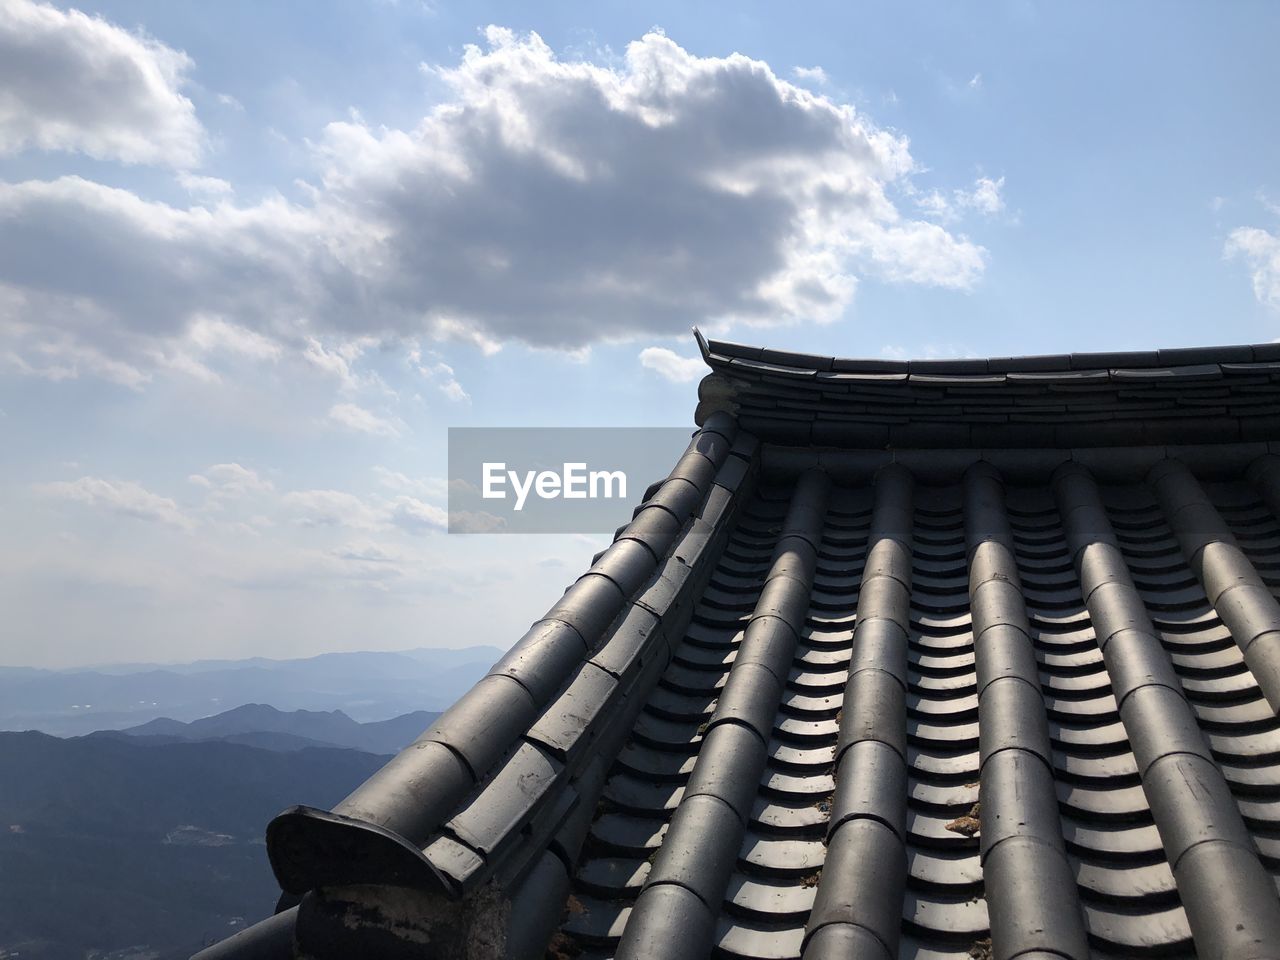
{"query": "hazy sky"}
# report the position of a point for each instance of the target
(256, 258)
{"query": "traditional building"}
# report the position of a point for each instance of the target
(933, 659)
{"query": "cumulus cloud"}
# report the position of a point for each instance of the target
(544, 201)
(123, 497)
(152, 286)
(671, 366)
(1261, 251)
(231, 481)
(357, 418)
(69, 81)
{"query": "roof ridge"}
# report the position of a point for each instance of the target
(1181, 395)
(713, 350)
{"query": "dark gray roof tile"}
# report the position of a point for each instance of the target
(670, 921)
(271, 939)
(1210, 868)
(542, 658)
(839, 941)
(1029, 364)
(717, 774)
(1032, 900)
(414, 793)
(627, 563)
(654, 527)
(678, 496)
(567, 727)
(589, 605)
(876, 778)
(862, 881)
(1263, 660)
(637, 638)
(1178, 356)
(1096, 361)
(973, 366)
(485, 722)
(1199, 371)
(869, 366)
(1191, 803)
(1138, 660)
(811, 361)
(493, 818)
(464, 865)
(691, 855)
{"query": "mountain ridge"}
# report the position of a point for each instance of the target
(366, 686)
(332, 728)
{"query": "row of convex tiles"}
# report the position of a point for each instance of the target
(1127, 890)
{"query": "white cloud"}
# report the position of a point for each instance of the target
(984, 197)
(414, 516)
(330, 508)
(440, 373)
(123, 497)
(50, 353)
(975, 81)
(453, 390)
(152, 286)
(204, 187)
(434, 487)
(671, 366)
(338, 508)
(1261, 250)
(231, 480)
(357, 418)
(814, 75)
(69, 81)
(212, 334)
(338, 359)
(367, 551)
(550, 202)
(479, 521)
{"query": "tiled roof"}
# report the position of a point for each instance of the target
(1207, 395)
(830, 700)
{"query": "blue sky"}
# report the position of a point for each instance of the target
(255, 259)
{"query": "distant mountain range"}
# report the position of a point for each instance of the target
(260, 725)
(118, 846)
(366, 686)
(144, 841)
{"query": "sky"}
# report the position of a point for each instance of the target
(256, 259)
